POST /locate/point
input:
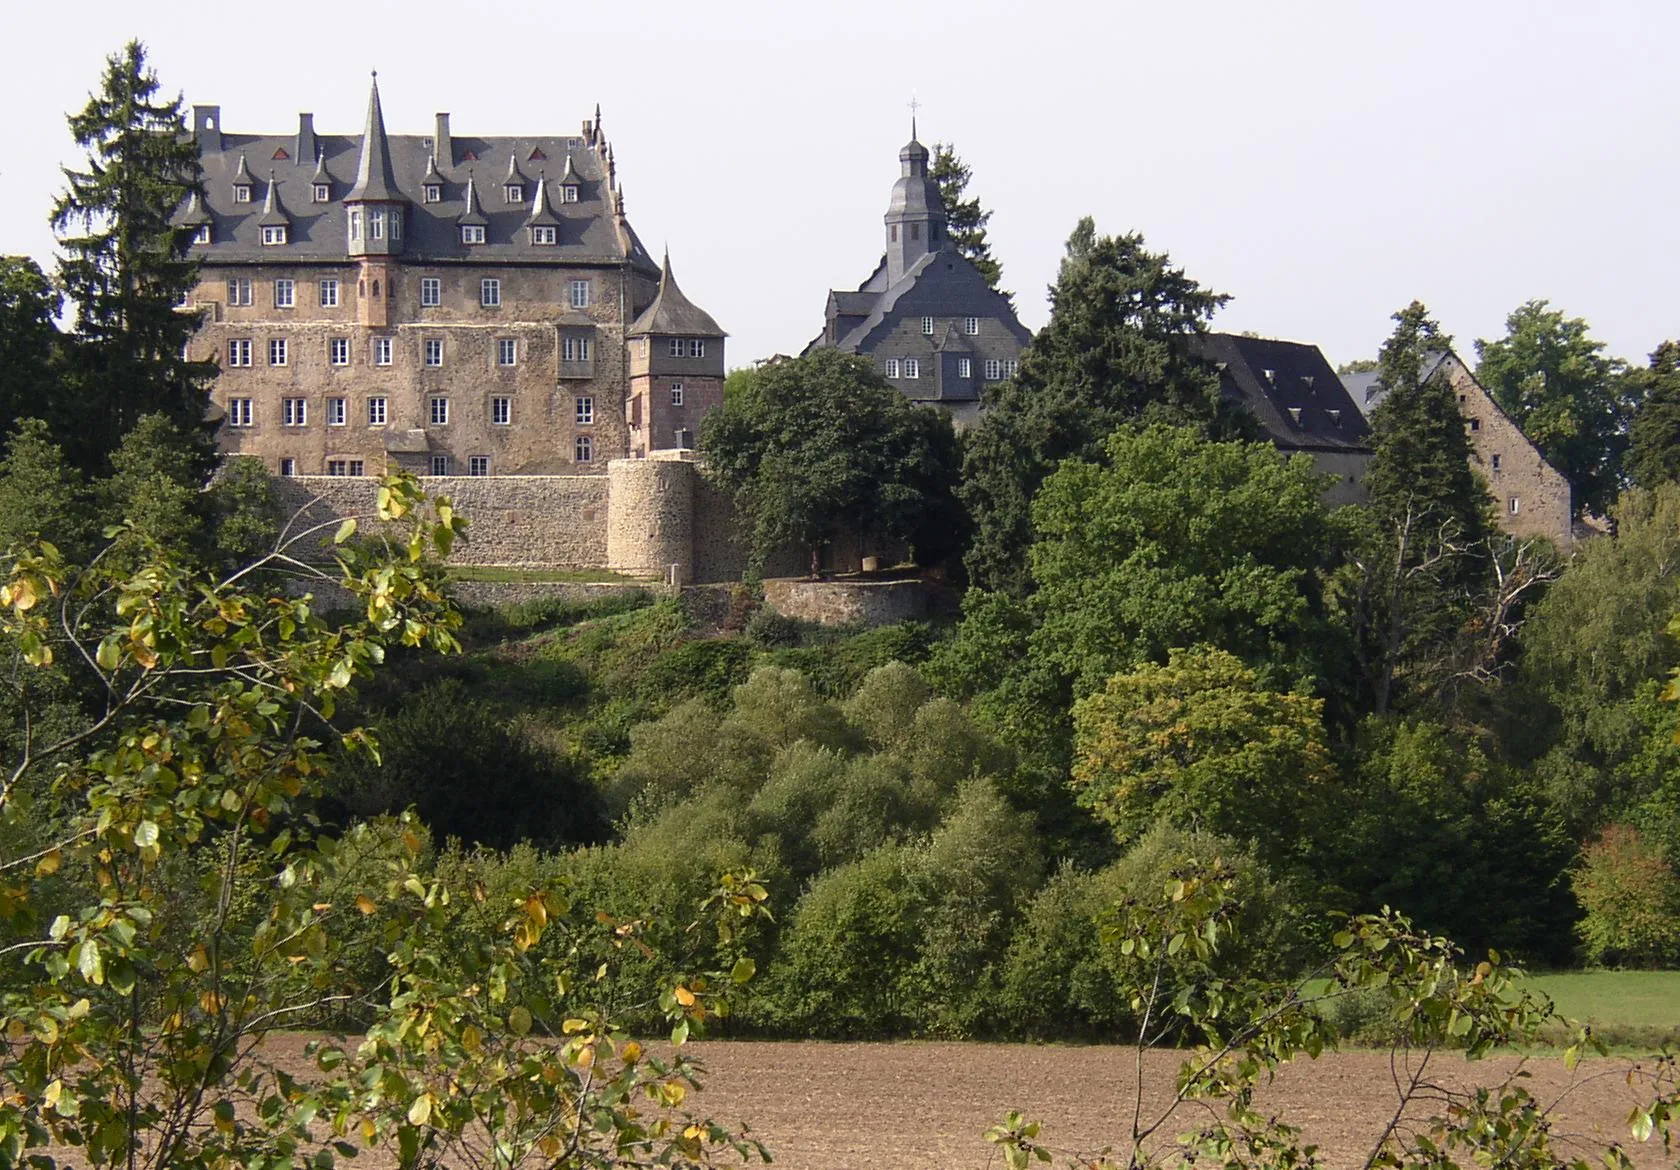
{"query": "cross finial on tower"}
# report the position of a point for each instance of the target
(914, 106)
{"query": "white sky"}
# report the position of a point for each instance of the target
(1324, 163)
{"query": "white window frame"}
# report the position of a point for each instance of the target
(507, 352)
(912, 368)
(994, 370)
(239, 291)
(696, 347)
(376, 412)
(431, 292)
(239, 413)
(472, 233)
(583, 449)
(569, 193)
(1010, 367)
(329, 294)
(478, 465)
(338, 411)
(513, 193)
(338, 351)
(294, 412)
(676, 393)
(273, 234)
(285, 294)
(575, 348)
(580, 294)
(584, 410)
(278, 349)
(434, 351)
(501, 411)
(440, 465)
(288, 467)
(396, 223)
(490, 293)
(376, 223)
(242, 193)
(675, 347)
(382, 351)
(971, 326)
(239, 352)
(965, 368)
(545, 234)
(431, 193)
(1496, 461)
(1515, 505)
(927, 326)
(202, 234)
(323, 192)
(437, 410)
(355, 223)
(892, 368)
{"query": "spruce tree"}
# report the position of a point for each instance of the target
(126, 265)
(1654, 442)
(29, 340)
(1115, 351)
(965, 218)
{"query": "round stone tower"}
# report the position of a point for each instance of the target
(650, 516)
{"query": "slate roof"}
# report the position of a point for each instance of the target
(1368, 391)
(672, 313)
(374, 179)
(318, 231)
(1291, 388)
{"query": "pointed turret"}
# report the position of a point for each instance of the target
(195, 214)
(915, 217)
(470, 214)
(321, 175)
(242, 176)
(273, 215)
(515, 176)
(541, 214)
(375, 180)
(571, 183)
(672, 314)
(431, 178)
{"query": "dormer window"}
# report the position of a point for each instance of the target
(432, 193)
(544, 235)
(274, 234)
(514, 193)
(472, 233)
(241, 193)
(1295, 415)
(569, 193)
(323, 193)
(202, 235)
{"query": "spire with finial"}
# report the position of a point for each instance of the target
(541, 214)
(376, 182)
(242, 176)
(672, 314)
(470, 214)
(321, 175)
(273, 215)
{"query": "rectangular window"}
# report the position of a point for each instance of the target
(202, 235)
(1475, 424)
(574, 349)
(355, 224)
(912, 368)
(239, 351)
(329, 294)
(381, 351)
(338, 467)
(1516, 505)
(438, 411)
(434, 351)
(239, 291)
(376, 412)
(396, 224)
(376, 225)
(585, 410)
(965, 368)
(239, 412)
(277, 351)
(285, 294)
(489, 292)
(513, 193)
(338, 351)
(338, 411)
(1009, 368)
(431, 193)
(241, 193)
(994, 369)
(584, 449)
(545, 235)
(676, 393)
(892, 367)
(288, 467)
(971, 326)
(1496, 463)
(569, 193)
(478, 465)
(323, 193)
(696, 347)
(501, 411)
(431, 292)
(676, 347)
(440, 465)
(472, 233)
(294, 412)
(507, 351)
(273, 234)
(927, 326)
(580, 294)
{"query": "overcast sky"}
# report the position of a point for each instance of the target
(1323, 163)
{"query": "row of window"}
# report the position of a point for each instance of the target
(971, 326)
(440, 465)
(239, 351)
(294, 412)
(911, 368)
(239, 293)
(513, 193)
(687, 347)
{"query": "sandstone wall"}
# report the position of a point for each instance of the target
(846, 603)
(650, 524)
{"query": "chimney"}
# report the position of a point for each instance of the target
(306, 139)
(442, 147)
(207, 127)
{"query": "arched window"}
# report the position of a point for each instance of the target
(376, 290)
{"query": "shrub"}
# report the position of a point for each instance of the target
(1632, 900)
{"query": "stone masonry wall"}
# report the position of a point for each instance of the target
(847, 603)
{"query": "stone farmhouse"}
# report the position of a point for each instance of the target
(927, 318)
(441, 303)
(1531, 497)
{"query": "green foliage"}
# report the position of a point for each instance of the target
(1631, 896)
(1200, 741)
(244, 510)
(1653, 455)
(965, 218)
(156, 489)
(1115, 351)
(42, 497)
(29, 341)
(126, 265)
(1569, 399)
(823, 441)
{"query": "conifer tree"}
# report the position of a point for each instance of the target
(1654, 442)
(965, 218)
(126, 265)
(29, 339)
(1114, 352)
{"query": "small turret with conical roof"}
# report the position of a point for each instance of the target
(915, 217)
(676, 369)
(377, 207)
(470, 215)
(542, 224)
(273, 220)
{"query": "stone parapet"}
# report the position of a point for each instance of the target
(847, 603)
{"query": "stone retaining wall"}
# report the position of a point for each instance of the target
(847, 603)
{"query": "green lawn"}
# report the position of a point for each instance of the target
(500, 573)
(1616, 998)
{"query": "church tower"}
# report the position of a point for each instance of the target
(915, 218)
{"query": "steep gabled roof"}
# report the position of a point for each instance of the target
(672, 313)
(375, 180)
(1290, 388)
(470, 214)
(273, 215)
(541, 213)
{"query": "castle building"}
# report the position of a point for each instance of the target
(926, 316)
(442, 304)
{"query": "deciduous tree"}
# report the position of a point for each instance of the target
(29, 341)
(1654, 438)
